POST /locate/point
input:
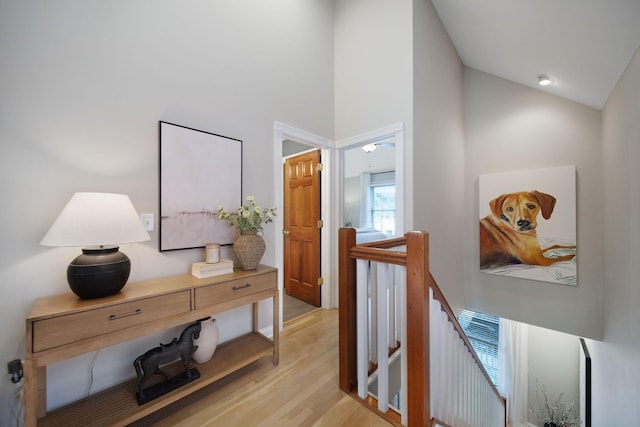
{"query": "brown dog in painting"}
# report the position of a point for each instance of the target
(508, 235)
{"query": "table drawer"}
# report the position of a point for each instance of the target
(60, 330)
(206, 296)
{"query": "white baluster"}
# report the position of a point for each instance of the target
(436, 361)
(383, 337)
(460, 382)
(373, 307)
(450, 379)
(467, 391)
(392, 341)
(443, 364)
(362, 302)
(402, 281)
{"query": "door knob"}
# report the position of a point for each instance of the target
(285, 233)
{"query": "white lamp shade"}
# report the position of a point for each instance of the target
(93, 219)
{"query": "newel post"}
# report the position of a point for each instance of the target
(417, 346)
(347, 315)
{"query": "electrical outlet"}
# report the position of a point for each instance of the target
(148, 219)
(15, 370)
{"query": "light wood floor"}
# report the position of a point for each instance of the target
(301, 391)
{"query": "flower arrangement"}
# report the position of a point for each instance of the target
(248, 218)
(556, 414)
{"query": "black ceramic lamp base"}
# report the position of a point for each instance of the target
(98, 272)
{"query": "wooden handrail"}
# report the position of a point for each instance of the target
(379, 255)
(387, 243)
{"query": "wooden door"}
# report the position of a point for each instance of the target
(302, 227)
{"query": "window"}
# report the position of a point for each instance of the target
(483, 333)
(383, 202)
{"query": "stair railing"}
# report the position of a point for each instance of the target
(390, 303)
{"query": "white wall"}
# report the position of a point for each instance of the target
(553, 360)
(438, 150)
(616, 360)
(510, 127)
(373, 60)
(84, 85)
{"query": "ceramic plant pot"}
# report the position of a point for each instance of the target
(249, 249)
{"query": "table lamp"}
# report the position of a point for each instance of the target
(98, 222)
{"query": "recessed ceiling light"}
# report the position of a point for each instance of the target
(544, 80)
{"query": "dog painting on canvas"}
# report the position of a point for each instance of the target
(509, 225)
(508, 235)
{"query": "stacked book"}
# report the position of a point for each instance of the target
(203, 269)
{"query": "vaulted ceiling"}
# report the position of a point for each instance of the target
(583, 45)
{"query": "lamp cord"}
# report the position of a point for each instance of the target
(91, 366)
(15, 406)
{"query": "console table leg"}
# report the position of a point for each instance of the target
(41, 390)
(255, 317)
(31, 396)
(276, 327)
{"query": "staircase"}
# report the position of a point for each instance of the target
(402, 352)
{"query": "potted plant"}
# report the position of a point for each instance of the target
(248, 220)
(556, 413)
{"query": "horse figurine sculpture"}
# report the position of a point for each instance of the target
(179, 348)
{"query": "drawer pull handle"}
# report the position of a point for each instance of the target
(120, 316)
(237, 288)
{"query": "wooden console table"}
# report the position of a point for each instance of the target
(63, 326)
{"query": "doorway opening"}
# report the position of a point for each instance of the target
(374, 180)
(290, 141)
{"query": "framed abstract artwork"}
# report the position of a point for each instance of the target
(528, 224)
(199, 172)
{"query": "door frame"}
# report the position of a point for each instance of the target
(282, 132)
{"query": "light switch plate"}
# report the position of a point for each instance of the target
(148, 219)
